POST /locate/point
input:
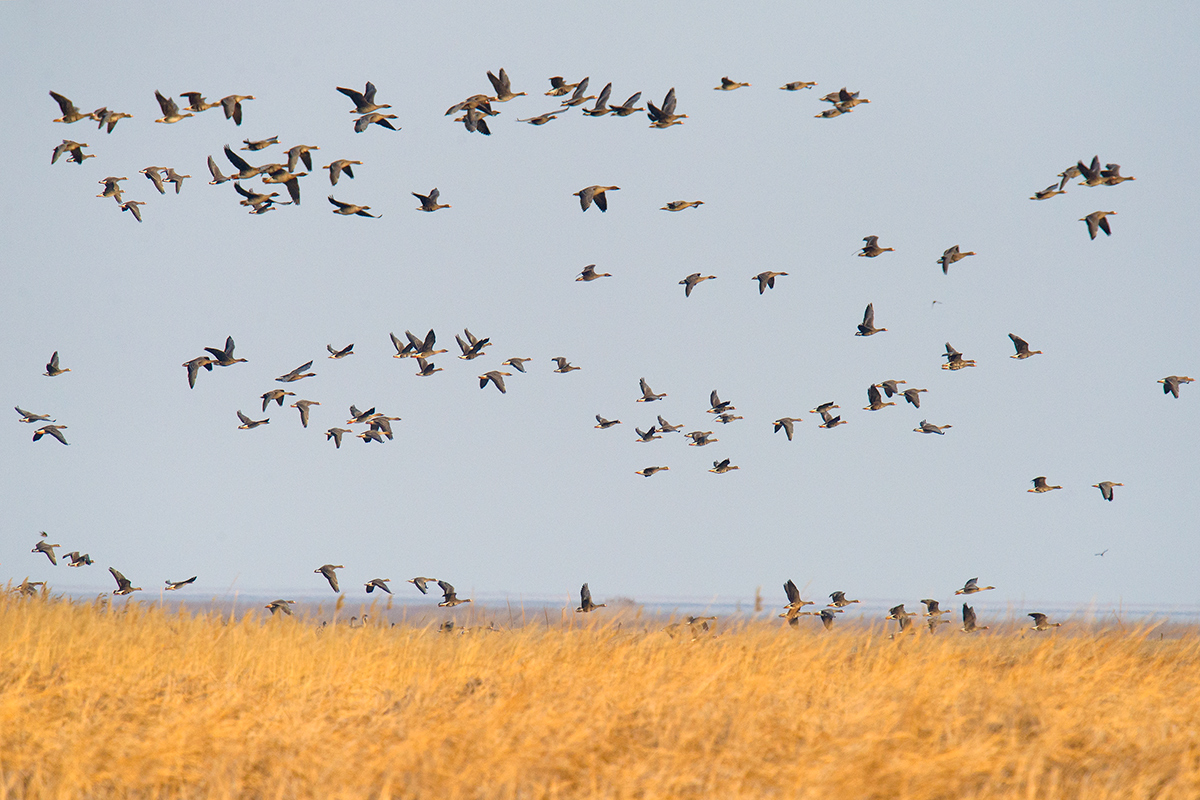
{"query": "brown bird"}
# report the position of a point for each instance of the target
(74, 148)
(1022, 346)
(559, 87)
(648, 394)
(174, 585)
(872, 249)
(728, 85)
(53, 370)
(1098, 220)
(928, 427)
(595, 194)
(248, 423)
(69, 112)
(503, 87)
(563, 364)
(449, 598)
(690, 282)
(797, 85)
(766, 280)
(589, 274)
(302, 406)
(170, 109)
(1039, 485)
(378, 583)
(430, 202)
(838, 600)
(327, 570)
(420, 583)
(276, 606)
(1040, 623)
(667, 427)
(48, 549)
(867, 326)
(197, 103)
(646, 472)
(828, 616)
(124, 586)
(1106, 489)
(665, 116)
(972, 586)
(277, 395)
(674, 205)
(604, 424)
(954, 359)
(496, 377)
(723, 466)
(297, 374)
(364, 102)
(647, 436)
(232, 105)
(585, 601)
(933, 608)
(516, 363)
(700, 438)
(969, 625)
(913, 396)
(51, 430)
(787, 425)
(1050, 191)
(950, 256)
(30, 417)
(875, 399)
(340, 167)
(1171, 384)
(347, 209)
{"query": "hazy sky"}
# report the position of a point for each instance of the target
(973, 108)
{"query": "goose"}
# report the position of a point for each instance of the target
(516, 363)
(726, 418)
(1106, 489)
(1171, 384)
(723, 466)
(867, 326)
(969, 625)
(872, 249)
(232, 105)
(950, 256)
(1022, 347)
(600, 108)
(297, 374)
(1098, 220)
(52, 368)
(728, 85)
(647, 436)
(336, 434)
(933, 608)
(347, 209)
(449, 598)
(891, 387)
(1112, 175)
(542, 119)
(665, 117)
(503, 87)
(175, 585)
(378, 583)
(1090, 172)
(666, 427)
(559, 86)
(929, 427)
(933, 622)
(277, 395)
(341, 166)
(787, 425)
(875, 399)
(430, 202)
(913, 396)
(1050, 191)
(690, 282)
(197, 103)
(357, 416)
(79, 559)
(628, 107)
(244, 170)
(766, 280)
(329, 573)
(155, 176)
(590, 194)
(700, 438)
(224, 358)
(420, 583)
(48, 549)
(828, 616)
(348, 350)
(1067, 174)
(496, 377)
(1040, 485)
(29, 416)
(1041, 623)
(563, 364)
(717, 405)
(954, 359)
(112, 188)
(426, 368)
(585, 601)
(838, 600)
(292, 182)
(823, 408)
(648, 394)
(605, 424)
(589, 274)
(374, 118)
(132, 207)
(473, 120)
(302, 406)
(69, 112)
(798, 85)
(473, 347)
(51, 430)
(72, 147)
(646, 472)
(680, 205)
(830, 421)
(972, 586)
(276, 606)
(248, 424)
(124, 586)
(579, 96)
(364, 102)
(170, 109)
(259, 144)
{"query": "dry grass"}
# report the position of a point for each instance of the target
(137, 701)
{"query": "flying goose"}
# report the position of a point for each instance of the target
(336, 434)
(723, 466)
(53, 370)
(1040, 622)
(589, 274)
(347, 209)
(276, 606)
(867, 326)
(224, 358)
(700, 438)
(648, 394)
(766, 280)
(516, 363)
(364, 102)
(170, 109)
(430, 202)
(496, 377)
(374, 118)
(48, 549)
(302, 406)
(838, 600)
(972, 586)
(1098, 220)
(787, 425)
(929, 427)
(950, 256)
(1171, 384)
(563, 364)
(420, 583)
(248, 424)
(600, 108)
(51, 430)
(646, 472)
(378, 583)
(969, 625)
(1040, 485)
(449, 598)
(297, 374)
(690, 282)
(74, 148)
(797, 85)
(680, 205)
(665, 117)
(342, 166)
(1022, 347)
(69, 112)
(728, 85)
(327, 570)
(124, 586)
(596, 194)
(875, 400)
(604, 424)
(872, 249)
(954, 359)
(175, 585)
(1106, 489)
(503, 87)
(232, 106)
(585, 601)
(29, 416)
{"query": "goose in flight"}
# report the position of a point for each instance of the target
(838, 600)
(48, 549)
(1022, 347)
(74, 148)
(972, 586)
(830, 421)
(559, 87)
(1050, 191)
(595, 194)
(589, 274)
(364, 102)
(665, 116)
(950, 256)
(648, 394)
(933, 608)
(828, 616)
(248, 424)
(1098, 220)
(297, 374)
(175, 585)
(51, 430)
(516, 363)
(197, 103)
(29, 416)
(69, 112)
(275, 606)
(929, 427)
(585, 601)
(503, 87)
(232, 106)
(604, 424)
(717, 405)
(674, 205)
(542, 119)
(1041, 623)
(1171, 384)
(496, 377)
(302, 406)
(666, 427)
(955, 360)
(421, 582)
(53, 370)
(969, 624)
(449, 597)
(766, 280)
(1040, 485)
(629, 106)
(787, 425)
(872, 249)
(79, 559)
(277, 395)
(867, 326)
(348, 209)
(336, 434)
(194, 366)
(700, 438)
(875, 401)
(170, 109)
(378, 583)
(429, 202)
(1106, 489)
(600, 107)
(690, 282)
(224, 358)
(328, 571)
(646, 472)
(563, 364)
(124, 586)
(647, 436)
(723, 466)
(798, 85)
(728, 85)
(348, 350)
(112, 188)
(340, 167)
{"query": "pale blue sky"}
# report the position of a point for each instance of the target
(973, 108)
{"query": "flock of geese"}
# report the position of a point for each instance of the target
(376, 426)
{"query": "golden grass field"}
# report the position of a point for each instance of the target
(132, 700)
